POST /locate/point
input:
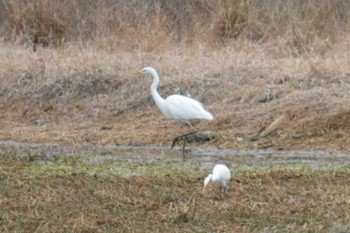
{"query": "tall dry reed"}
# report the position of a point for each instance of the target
(147, 25)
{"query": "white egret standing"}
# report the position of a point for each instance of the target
(221, 174)
(180, 108)
(177, 107)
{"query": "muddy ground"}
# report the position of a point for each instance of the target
(202, 158)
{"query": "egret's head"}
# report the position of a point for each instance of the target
(206, 182)
(148, 70)
(145, 70)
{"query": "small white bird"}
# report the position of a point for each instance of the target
(177, 107)
(221, 174)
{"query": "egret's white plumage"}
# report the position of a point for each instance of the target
(178, 107)
(221, 174)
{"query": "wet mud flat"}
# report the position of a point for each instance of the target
(202, 157)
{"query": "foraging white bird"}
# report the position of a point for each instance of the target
(221, 174)
(177, 107)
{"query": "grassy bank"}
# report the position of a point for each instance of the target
(73, 95)
(272, 73)
(70, 194)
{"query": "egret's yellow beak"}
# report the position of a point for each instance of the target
(204, 189)
(137, 72)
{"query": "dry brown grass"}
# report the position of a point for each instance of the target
(106, 24)
(156, 25)
(72, 195)
(70, 93)
(249, 62)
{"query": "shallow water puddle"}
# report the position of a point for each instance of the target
(203, 158)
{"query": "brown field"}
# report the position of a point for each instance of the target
(297, 71)
(71, 194)
(273, 74)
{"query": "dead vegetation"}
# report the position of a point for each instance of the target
(70, 194)
(273, 73)
(71, 96)
(156, 25)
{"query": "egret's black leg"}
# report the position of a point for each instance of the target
(175, 141)
(222, 192)
(190, 138)
(181, 137)
(183, 150)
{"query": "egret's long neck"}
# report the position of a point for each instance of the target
(157, 98)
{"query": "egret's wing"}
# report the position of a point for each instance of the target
(185, 109)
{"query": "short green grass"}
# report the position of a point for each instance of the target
(72, 194)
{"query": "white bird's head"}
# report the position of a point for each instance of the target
(207, 181)
(146, 70)
(149, 70)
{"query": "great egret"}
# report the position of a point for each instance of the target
(177, 107)
(221, 174)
